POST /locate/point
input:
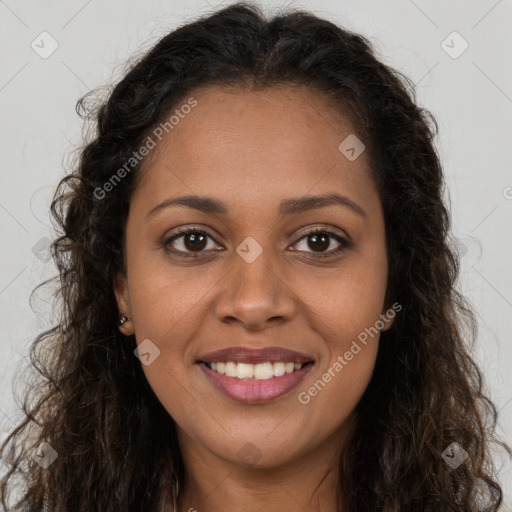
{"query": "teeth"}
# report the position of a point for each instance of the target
(261, 371)
(279, 369)
(244, 371)
(231, 369)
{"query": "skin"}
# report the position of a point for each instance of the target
(251, 150)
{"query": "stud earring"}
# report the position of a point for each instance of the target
(122, 319)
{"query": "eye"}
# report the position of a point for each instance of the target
(191, 244)
(320, 240)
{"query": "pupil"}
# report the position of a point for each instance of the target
(197, 239)
(322, 238)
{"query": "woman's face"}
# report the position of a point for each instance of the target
(257, 279)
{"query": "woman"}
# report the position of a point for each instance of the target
(258, 290)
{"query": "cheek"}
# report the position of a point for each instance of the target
(347, 302)
(333, 396)
(169, 314)
(347, 328)
(345, 312)
(168, 302)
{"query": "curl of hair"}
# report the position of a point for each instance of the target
(116, 444)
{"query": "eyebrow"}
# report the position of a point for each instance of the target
(287, 207)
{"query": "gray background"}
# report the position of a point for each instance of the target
(469, 92)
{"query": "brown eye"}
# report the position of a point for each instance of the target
(188, 242)
(320, 240)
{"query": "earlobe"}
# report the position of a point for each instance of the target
(388, 317)
(388, 322)
(121, 291)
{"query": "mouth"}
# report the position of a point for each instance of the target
(254, 383)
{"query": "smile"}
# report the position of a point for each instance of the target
(255, 383)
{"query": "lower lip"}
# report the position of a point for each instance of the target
(253, 391)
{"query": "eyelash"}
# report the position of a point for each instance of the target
(344, 244)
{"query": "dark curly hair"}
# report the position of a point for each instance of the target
(90, 400)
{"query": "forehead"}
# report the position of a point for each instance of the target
(285, 117)
(247, 146)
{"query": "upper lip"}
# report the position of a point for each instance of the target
(254, 356)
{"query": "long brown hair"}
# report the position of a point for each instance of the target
(91, 402)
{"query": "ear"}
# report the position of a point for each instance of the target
(388, 315)
(388, 322)
(122, 294)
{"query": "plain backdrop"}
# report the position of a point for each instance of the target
(458, 55)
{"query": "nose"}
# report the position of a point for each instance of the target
(255, 294)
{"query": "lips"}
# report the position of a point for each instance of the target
(250, 391)
(253, 390)
(254, 356)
